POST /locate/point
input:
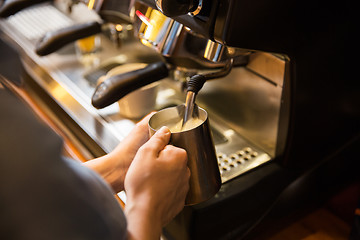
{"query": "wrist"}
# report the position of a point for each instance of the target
(143, 222)
(110, 170)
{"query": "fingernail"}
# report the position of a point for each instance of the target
(164, 130)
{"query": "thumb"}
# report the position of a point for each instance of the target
(160, 139)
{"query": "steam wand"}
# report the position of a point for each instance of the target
(194, 85)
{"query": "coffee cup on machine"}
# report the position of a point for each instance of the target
(194, 137)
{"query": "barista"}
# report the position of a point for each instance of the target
(45, 196)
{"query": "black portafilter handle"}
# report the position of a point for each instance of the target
(197, 81)
(53, 41)
(10, 7)
(173, 8)
(118, 86)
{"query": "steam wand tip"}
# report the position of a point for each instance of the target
(194, 85)
(197, 81)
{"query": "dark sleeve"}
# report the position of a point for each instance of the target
(42, 195)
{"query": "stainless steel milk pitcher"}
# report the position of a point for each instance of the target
(197, 140)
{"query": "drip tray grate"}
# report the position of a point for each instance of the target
(243, 160)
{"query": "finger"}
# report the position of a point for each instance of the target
(146, 119)
(140, 133)
(176, 153)
(159, 140)
(142, 125)
(188, 174)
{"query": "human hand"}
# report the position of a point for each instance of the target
(156, 186)
(113, 166)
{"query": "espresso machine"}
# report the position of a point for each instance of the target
(284, 116)
(302, 111)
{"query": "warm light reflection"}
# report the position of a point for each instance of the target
(229, 133)
(59, 92)
(154, 27)
(143, 18)
(118, 27)
(91, 4)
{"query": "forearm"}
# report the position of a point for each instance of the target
(110, 169)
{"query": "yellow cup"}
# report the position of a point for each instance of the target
(87, 50)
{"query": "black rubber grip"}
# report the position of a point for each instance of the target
(116, 87)
(55, 40)
(195, 83)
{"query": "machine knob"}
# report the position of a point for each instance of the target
(173, 8)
